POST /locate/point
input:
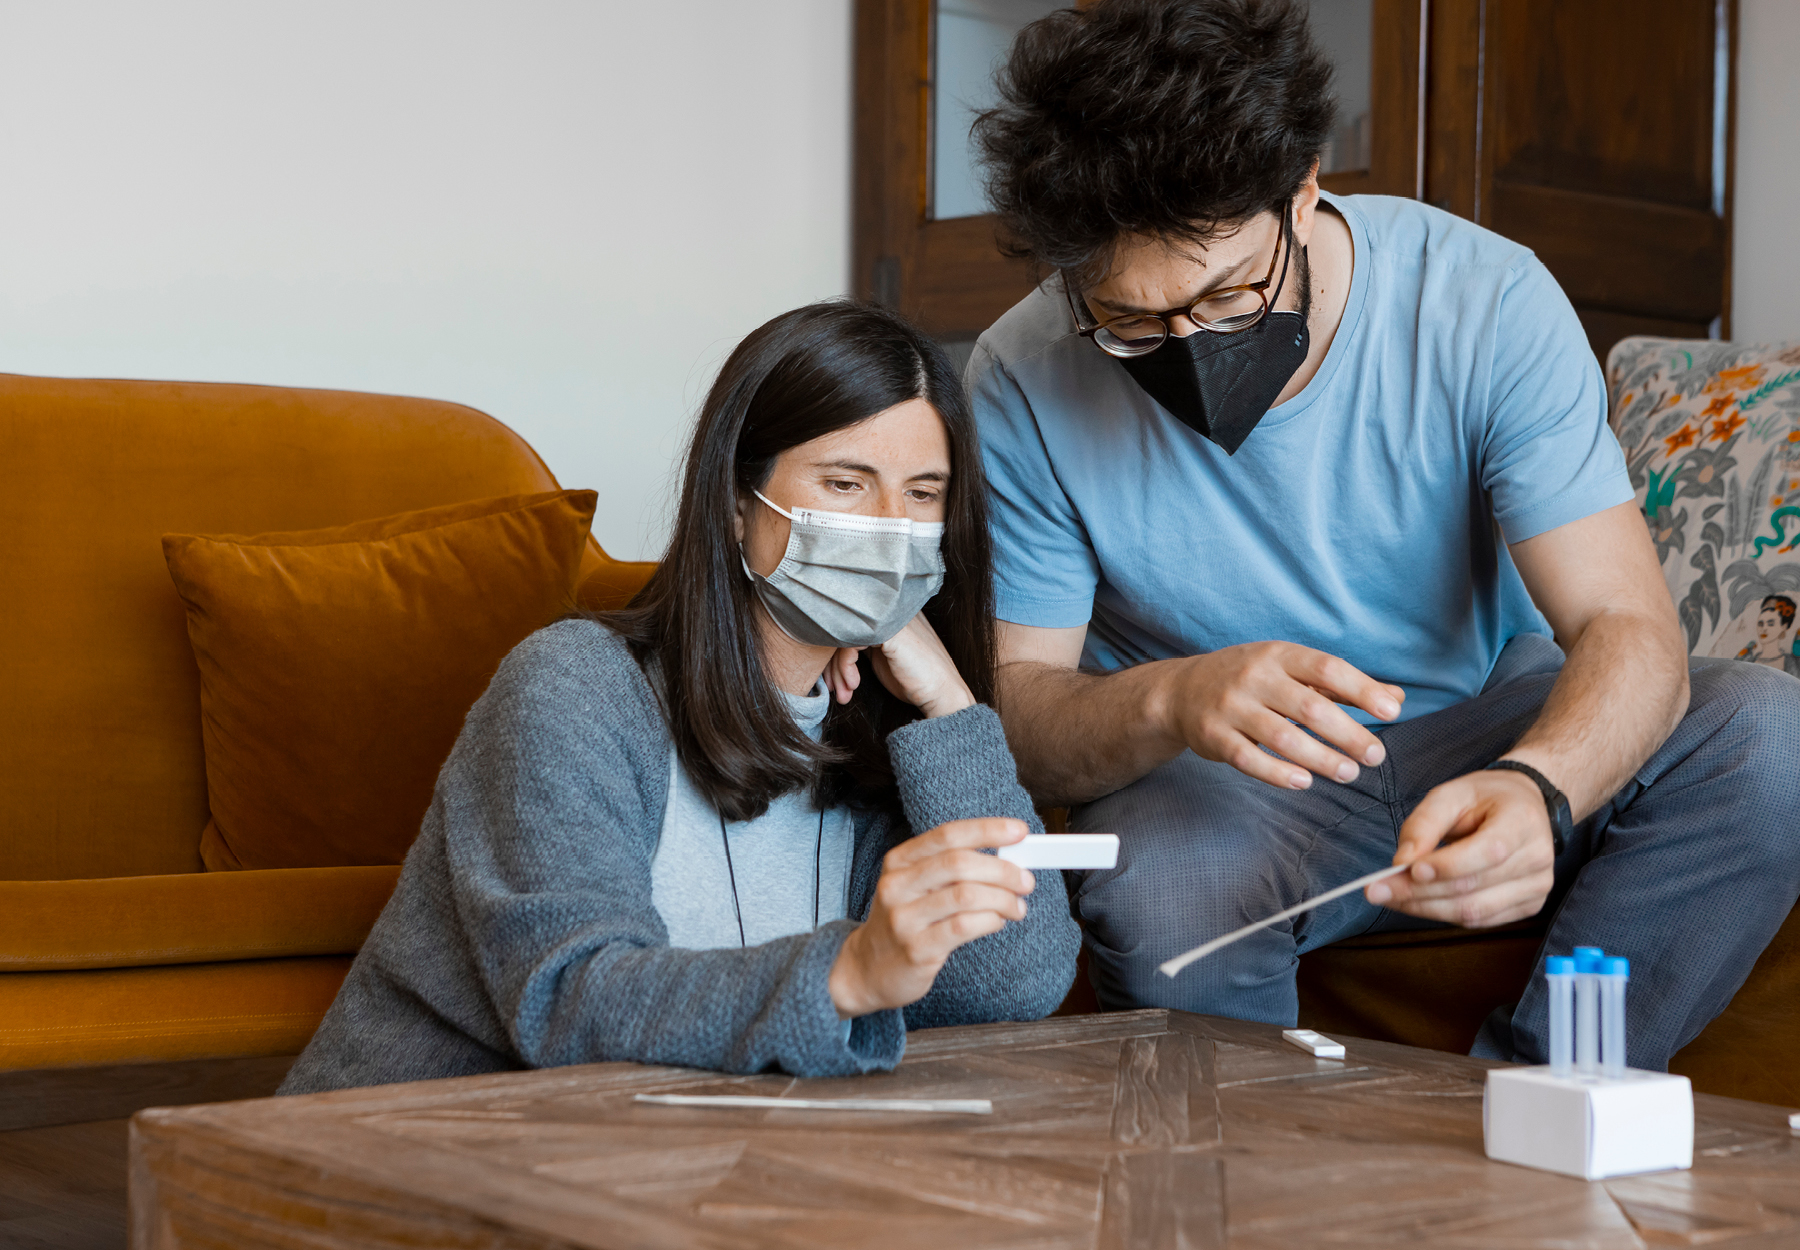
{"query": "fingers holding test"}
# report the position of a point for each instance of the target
(960, 929)
(986, 832)
(1508, 837)
(957, 897)
(940, 871)
(1478, 846)
(1496, 852)
(1452, 810)
(1500, 903)
(1444, 812)
(926, 946)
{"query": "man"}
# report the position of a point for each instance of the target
(1774, 643)
(1291, 494)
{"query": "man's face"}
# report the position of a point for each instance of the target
(1149, 275)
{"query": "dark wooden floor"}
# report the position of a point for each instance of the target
(63, 1186)
(63, 1136)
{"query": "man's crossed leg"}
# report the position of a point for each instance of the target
(1688, 870)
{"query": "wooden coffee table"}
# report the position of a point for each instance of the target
(1146, 1128)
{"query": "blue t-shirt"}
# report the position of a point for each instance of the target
(1459, 403)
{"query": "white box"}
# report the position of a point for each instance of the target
(1589, 1126)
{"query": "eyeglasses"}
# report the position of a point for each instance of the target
(1230, 310)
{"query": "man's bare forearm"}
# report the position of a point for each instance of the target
(1077, 736)
(1623, 689)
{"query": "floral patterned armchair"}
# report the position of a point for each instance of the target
(1711, 433)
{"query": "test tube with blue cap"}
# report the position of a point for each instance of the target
(1614, 973)
(1559, 975)
(1587, 1009)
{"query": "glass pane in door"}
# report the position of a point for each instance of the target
(1343, 29)
(970, 39)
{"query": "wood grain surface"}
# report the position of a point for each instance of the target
(1136, 1129)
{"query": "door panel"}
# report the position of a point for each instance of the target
(1597, 135)
(1612, 97)
(1633, 256)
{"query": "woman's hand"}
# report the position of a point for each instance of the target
(936, 892)
(913, 665)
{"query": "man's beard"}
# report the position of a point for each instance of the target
(1303, 274)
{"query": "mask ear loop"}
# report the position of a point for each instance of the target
(744, 560)
(778, 508)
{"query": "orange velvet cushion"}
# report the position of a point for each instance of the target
(609, 584)
(336, 665)
(149, 1015)
(189, 917)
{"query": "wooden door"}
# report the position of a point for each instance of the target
(947, 273)
(1596, 133)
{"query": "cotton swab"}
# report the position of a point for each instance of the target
(939, 1106)
(1176, 964)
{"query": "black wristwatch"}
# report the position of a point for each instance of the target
(1562, 828)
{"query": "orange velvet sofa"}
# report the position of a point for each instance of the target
(115, 945)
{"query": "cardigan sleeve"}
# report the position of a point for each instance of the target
(550, 825)
(959, 767)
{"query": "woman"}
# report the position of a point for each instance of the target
(738, 825)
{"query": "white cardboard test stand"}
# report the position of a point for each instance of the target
(1589, 1126)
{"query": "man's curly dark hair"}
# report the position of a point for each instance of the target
(1172, 119)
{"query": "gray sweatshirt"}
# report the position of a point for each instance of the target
(523, 934)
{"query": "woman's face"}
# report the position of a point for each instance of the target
(1771, 632)
(895, 464)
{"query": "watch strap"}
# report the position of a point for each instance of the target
(1555, 802)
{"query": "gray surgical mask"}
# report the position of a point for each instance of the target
(848, 580)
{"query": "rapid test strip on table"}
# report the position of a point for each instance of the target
(1315, 1044)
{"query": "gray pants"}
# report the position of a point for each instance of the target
(1688, 871)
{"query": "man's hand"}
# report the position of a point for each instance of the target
(1227, 704)
(1495, 864)
(937, 892)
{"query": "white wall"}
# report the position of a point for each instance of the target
(1765, 272)
(564, 213)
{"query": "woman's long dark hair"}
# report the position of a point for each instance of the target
(693, 626)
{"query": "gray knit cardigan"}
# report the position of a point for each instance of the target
(522, 934)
